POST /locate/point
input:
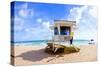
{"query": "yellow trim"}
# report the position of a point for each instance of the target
(72, 34)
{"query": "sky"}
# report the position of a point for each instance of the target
(32, 20)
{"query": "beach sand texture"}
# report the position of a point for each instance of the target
(29, 55)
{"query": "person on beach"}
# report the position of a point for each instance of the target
(71, 40)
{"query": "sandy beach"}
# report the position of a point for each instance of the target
(29, 55)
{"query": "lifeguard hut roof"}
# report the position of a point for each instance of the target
(63, 23)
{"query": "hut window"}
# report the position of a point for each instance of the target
(56, 31)
(64, 30)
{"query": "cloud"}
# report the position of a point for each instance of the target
(22, 12)
(76, 13)
(86, 19)
(46, 24)
(93, 11)
(30, 33)
(30, 29)
(38, 28)
(40, 32)
(39, 20)
(46, 31)
(24, 25)
(18, 23)
(29, 26)
(25, 11)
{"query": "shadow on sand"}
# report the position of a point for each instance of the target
(38, 55)
(35, 55)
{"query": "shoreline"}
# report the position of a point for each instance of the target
(44, 45)
(29, 55)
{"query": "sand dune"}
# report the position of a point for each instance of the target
(28, 55)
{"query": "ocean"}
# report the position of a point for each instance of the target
(44, 42)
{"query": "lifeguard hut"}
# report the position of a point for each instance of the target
(62, 29)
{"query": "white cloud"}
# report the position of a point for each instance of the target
(93, 11)
(46, 24)
(86, 19)
(76, 13)
(25, 12)
(26, 31)
(19, 23)
(41, 32)
(30, 33)
(39, 20)
(30, 29)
